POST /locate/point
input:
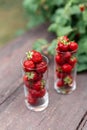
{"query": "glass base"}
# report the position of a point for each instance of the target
(65, 89)
(41, 104)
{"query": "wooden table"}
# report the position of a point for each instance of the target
(65, 112)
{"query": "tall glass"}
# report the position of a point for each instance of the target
(65, 72)
(36, 92)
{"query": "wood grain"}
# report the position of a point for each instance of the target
(65, 112)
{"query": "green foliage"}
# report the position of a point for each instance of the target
(40, 44)
(65, 18)
(51, 48)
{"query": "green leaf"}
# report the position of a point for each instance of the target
(82, 45)
(52, 27)
(81, 67)
(63, 30)
(82, 58)
(31, 6)
(74, 10)
(81, 27)
(35, 21)
(85, 17)
(58, 2)
(52, 46)
(39, 44)
(61, 20)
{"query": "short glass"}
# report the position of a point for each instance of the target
(64, 75)
(36, 100)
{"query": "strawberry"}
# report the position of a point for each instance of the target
(60, 75)
(60, 46)
(39, 85)
(28, 65)
(59, 60)
(67, 68)
(67, 56)
(63, 47)
(31, 99)
(63, 44)
(73, 46)
(37, 94)
(58, 69)
(60, 83)
(35, 56)
(33, 76)
(26, 81)
(41, 67)
(68, 80)
(82, 7)
(73, 61)
(66, 38)
(42, 92)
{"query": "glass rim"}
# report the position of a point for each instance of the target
(47, 62)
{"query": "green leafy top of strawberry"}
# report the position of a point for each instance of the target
(63, 40)
(68, 80)
(73, 57)
(42, 83)
(30, 75)
(59, 69)
(29, 54)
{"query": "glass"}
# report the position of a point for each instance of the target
(36, 98)
(65, 72)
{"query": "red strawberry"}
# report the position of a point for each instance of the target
(37, 94)
(58, 69)
(42, 92)
(59, 60)
(63, 44)
(39, 85)
(34, 93)
(26, 81)
(60, 46)
(41, 67)
(34, 56)
(66, 38)
(73, 61)
(67, 68)
(68, 80)
(60, 83)
(73, 46)
(82, 7)
(65, 47)
(31, 99)
(28, 65)
(33, 76)
(60, 75)
(67, 56)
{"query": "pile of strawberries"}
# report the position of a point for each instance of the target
(34, 67)
(65, 61)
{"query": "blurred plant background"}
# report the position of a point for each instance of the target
(12, 20)
(66, 17)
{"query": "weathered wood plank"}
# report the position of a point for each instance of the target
(83, 123)
(63, 113)
(85, 126)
